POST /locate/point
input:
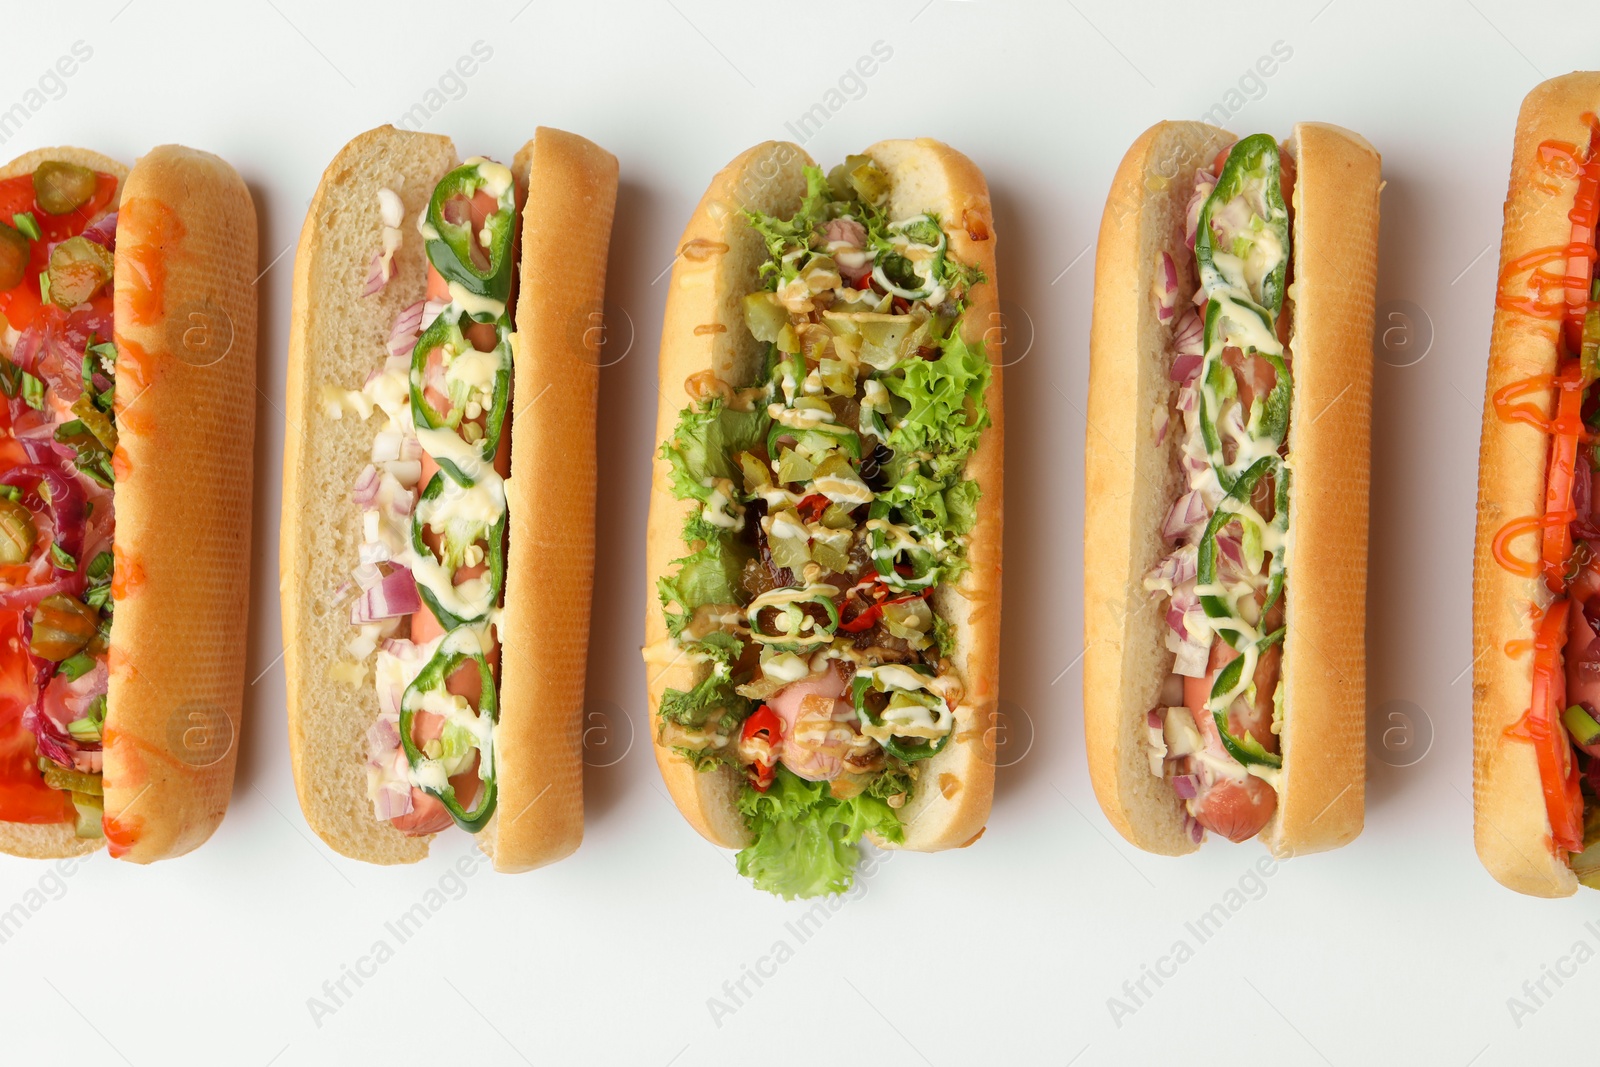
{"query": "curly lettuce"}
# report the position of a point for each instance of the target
(700, 451)
(781, 235)
(806, 839)
(946, 412)
(713, 700)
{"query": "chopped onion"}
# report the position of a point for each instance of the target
(1187, 512)
(403, 337)
(1188, 337)
(408, 472)
(395, 595)
(392, 800)
(377, 275)
(365, 493)
(1187, 397)
(1197, 833)
(1165, 287)
(432, 310)
(1162, 420)
(104, 232)
(1185, 368)
(386, 446)
(1187, 786)
(390, 209)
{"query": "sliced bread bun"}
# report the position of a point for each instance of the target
(718, 264)
(1131, 481)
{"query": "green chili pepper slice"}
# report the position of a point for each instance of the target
(457, 252)
(448, 334)
(457, 647)
(776, 640)
(494, 551)
(862, 689)
(1246, 749)
(1253, 159)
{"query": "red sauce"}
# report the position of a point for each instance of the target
(128, 576)
(21, 305)
(146, 231)
(1563, 298)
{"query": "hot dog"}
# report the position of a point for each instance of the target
(825, 519)
(1536, 567)
(127, 363)
(1227, 472)
(436, 600)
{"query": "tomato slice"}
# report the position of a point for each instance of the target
(24, 797)
(1558, 770)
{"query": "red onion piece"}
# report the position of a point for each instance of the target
(365, 493)
(1185, 368)
(67, 505)
(104, 232)
(403, 337)
(1154, 719)
(1166, 287)
(377, 276)
(1188, 337)
(392, 801)
(395, 595)
(1188, 511)
(1187, 786)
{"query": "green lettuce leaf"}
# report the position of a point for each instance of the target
(705, 442)
(805, 840)
(713, 698)
(709, 575)
(940, 393)
(781, 235)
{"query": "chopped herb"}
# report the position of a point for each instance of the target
(11, 492)
(96, 596)
(25, 222)
(44, 286)
(100, 566)
(61, 558)
(10, 377)
(76, 666)
(32, 391)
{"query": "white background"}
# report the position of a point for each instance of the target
(1399, 948)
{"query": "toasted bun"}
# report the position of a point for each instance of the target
(571, 192)
(1510, 824)
(185, 311)
(1131, 481)
(336, 338)
(718, 263)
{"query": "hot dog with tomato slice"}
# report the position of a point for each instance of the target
(1227, 470)
(1536, 692)
(127, 364)
(437, 546)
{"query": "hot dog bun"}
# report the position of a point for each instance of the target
(1131, 481)
(337, 337)
(704, 328)
(1510, 825)
(185, 315)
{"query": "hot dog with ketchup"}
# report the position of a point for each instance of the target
(127, 364)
